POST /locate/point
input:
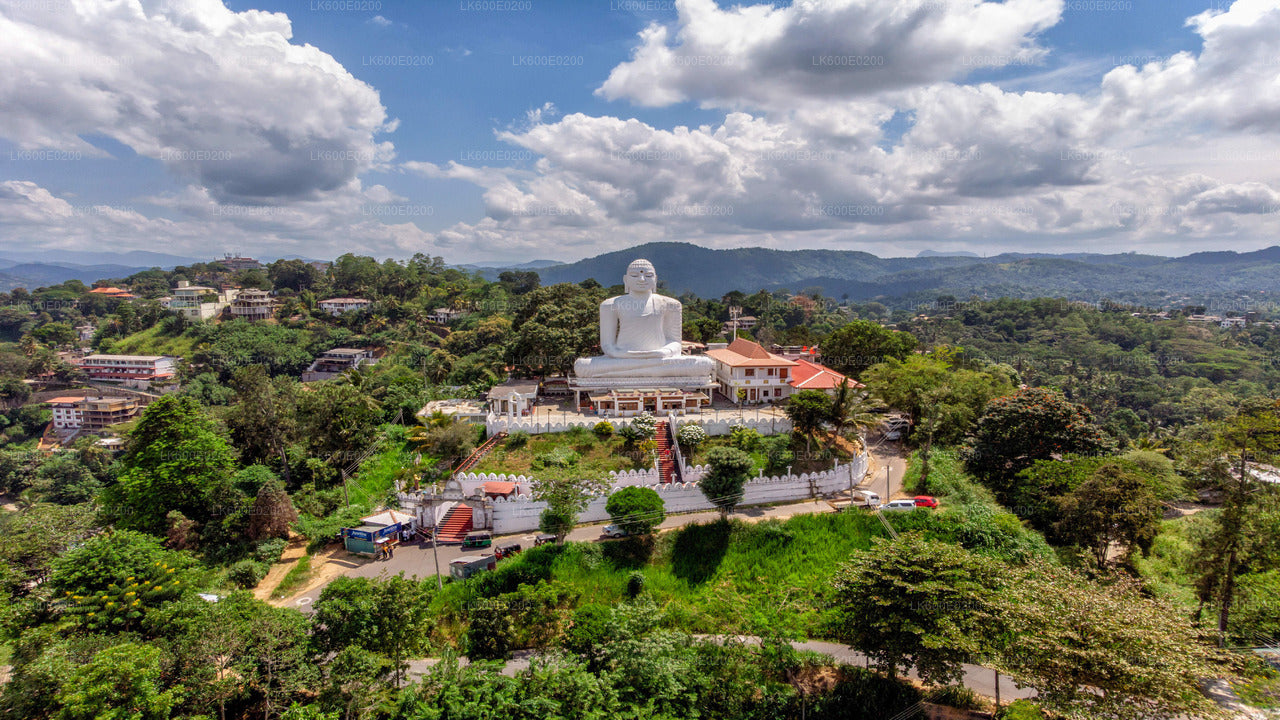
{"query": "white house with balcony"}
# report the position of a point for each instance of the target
(197, 302)
(343, 305)
(745, 365)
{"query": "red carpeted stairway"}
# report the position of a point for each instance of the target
(666, 461)
(456, 525)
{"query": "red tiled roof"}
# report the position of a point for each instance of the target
(812, 376)
(494, 487)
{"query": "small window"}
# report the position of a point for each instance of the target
(750, 372)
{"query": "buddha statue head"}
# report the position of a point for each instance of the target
(641, 278)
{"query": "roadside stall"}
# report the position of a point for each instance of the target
(375, 532)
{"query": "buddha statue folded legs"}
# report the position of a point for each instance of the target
(640, 335)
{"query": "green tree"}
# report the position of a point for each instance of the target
(1094, 650)
(1114, 505)
(809, 410)
(919, 603)
(114, 580)
(566, 498)
(176, 461)
(64, 480)
(383, 615)
(120, 683)
(728, 471)
(1031, 424)
(637, 510)
(555, 325)
(860, 344)
(1253, 434)
(264, 422)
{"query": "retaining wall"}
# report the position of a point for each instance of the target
(765, 426)
(520, 514)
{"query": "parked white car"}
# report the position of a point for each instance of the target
(904, 504)
(613, 531)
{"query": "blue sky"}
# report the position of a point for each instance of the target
(190, 127)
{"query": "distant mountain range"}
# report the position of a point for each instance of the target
(1217, 279)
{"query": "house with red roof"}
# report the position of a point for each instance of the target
(746, 366)
(809, 375)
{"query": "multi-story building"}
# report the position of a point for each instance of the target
(252, 304)
(92, 414)
(66, 412)
(339, 306)
(134, 370)
(197, 302)
(337, 361)
(445, 315)
(236, 264)
(745, 365)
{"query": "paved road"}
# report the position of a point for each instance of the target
(979, 679)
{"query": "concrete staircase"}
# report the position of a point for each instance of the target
(456, 525)
(666, 461)
(480, 452)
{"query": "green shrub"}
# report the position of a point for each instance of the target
(635, 584)
(269, 551)
(561, 457)
(603, 429)
(744, 438)
(517, 440)
(956, 696)
(247, 573)
(1021, 710)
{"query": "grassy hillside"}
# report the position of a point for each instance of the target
(760, 578)
(153, 341)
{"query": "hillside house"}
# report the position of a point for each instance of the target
(744, 365)
(334, 362)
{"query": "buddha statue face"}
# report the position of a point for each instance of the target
(640, 277)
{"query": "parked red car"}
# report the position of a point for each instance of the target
(926, 501)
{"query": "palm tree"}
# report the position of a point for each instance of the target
(362, 380)
(849, 409)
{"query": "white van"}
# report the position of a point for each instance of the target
(866, 498)
(904, 504)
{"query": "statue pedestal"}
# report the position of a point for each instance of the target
(658, 395)
(705, 382)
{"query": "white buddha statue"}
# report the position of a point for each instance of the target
(640, 335)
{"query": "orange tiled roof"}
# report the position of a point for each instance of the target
(745, 353)
(814, 376)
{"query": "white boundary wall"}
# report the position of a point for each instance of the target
(496, 424)
(521, 514)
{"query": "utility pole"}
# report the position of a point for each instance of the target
(888, 487)
(346, 499)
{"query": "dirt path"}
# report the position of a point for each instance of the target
(326, 565)
(296, 548)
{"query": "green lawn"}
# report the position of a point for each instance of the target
(577, 453)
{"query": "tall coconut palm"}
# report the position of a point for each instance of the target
(849, 410)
